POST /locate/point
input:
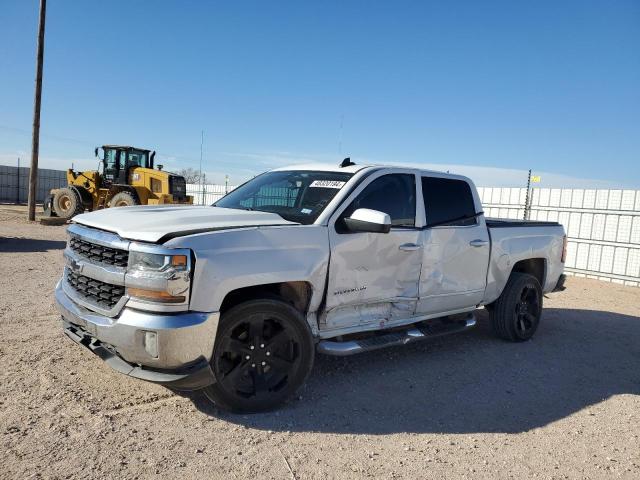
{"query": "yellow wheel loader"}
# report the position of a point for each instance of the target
(127, 178)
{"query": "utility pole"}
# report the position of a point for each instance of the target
(526, 198)
(340, 136)
(200, 171)
(35, 141)
(18, 184)
(204, 187)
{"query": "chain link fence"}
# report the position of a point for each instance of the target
(207, 194)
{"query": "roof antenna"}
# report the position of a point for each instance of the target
(346, 162)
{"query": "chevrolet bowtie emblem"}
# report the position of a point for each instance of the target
(74, 266)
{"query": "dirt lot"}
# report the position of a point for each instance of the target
(565, 405)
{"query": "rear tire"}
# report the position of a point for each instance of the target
(67, 203)
(515, 316)
(263, 353)
(124, 199)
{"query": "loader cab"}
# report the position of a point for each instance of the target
(117, 160)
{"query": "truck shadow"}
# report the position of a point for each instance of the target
(23, 245)
(469, 382)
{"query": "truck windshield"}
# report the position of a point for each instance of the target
(297, 196)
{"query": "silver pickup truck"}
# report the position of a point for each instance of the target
(236, 298)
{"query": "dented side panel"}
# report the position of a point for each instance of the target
(513, 244)
(230, 259)
(371, 280)
(454, 273)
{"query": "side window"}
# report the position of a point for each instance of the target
(137, 159)
(394, 194)
(448, 201)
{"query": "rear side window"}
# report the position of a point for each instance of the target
(447, 202)
(394, 194)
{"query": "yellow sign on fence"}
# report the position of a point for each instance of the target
(535, 178)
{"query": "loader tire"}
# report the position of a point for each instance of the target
(67, 203)
(124, 199)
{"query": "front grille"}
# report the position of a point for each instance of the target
(99, 253)
(177, 187)
(97, 292)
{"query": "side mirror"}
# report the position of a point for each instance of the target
(366, 220)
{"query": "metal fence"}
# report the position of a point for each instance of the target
(207, 194)
(14, 183)
(603, 226)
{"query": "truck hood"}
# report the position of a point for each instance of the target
(150, 223)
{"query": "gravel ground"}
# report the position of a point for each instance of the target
(564, 405)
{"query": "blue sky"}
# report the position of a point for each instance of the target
(552, 86)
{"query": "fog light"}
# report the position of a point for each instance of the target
(151, 343)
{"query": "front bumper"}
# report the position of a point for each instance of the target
(184, 342)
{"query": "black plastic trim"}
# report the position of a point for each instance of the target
(493, 223)
(560, 285)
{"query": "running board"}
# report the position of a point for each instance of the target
(415, 333)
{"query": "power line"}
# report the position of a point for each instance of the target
(167, 156)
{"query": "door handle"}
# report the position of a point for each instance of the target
(478, 242)
(409, 247)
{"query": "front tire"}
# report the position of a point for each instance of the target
(515, 316)
(67, 203)
(263, 353)
(124, 199)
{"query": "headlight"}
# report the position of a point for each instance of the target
(155, 262)
(159, 275)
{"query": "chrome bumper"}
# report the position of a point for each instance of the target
(183, 340)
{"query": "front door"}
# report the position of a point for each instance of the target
(373, 277)
(456, 247)
(111, 169)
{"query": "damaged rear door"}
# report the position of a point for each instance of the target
(373, 277)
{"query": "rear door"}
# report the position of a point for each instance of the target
(456, 246)
(373, 277)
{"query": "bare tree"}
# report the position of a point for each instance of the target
(191, 175)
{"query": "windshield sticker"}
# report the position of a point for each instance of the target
(306, 211)
(327, 184)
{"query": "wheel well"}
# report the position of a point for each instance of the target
(297, 294)
(533, 266)
(84, 195)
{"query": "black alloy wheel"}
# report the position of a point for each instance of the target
(263, 353)
(516, 314)
(527, 310)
